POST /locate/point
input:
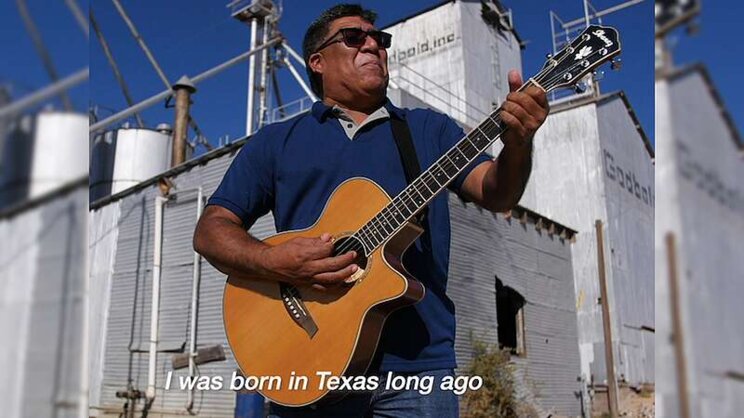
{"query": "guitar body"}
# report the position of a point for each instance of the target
(267, 341)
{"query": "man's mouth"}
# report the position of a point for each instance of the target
(373, 64)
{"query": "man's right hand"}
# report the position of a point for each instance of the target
(303, 261)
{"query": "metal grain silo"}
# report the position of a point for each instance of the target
(41, 153)
(126, 156)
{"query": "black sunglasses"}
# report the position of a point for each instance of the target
(356, 37)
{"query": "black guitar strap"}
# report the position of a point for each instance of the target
(407, 152)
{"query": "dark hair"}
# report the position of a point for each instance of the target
(318, 31)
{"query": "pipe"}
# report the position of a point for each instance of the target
(115, 67)
(299, 79)
(262, 90)
(167, 93)
(44, 93)
(79, 16)
(294, 54)
(196, 280)
(155, 305)
(41, 49)
(251, 79)
(183, 88)
(141, 42)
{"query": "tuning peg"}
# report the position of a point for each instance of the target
(616, 64)
(549, 56)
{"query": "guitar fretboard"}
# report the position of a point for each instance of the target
(431, 182)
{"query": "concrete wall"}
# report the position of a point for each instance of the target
(579, 154)
(451, 59)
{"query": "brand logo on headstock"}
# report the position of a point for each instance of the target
(583, 52)
(599, 33)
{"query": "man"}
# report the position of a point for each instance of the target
(291, 169)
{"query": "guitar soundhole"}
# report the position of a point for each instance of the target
(346, 244)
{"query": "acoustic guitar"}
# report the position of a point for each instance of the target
(283, 331)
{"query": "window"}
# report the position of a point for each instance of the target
(510, 319)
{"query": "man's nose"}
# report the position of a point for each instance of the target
(370, 45)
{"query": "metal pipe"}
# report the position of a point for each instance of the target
(299, 79)
(155, 304)
(294, 54)
(45, 93)
(46, 59)
(195, 283)
(167, 93)
(262, 89)
(79, 16)
(183, 89)
(251, 79)
(114, 66)
(141, 42)
(603, 12)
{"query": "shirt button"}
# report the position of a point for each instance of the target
(349, 126)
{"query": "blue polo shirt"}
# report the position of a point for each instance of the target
(291, 168)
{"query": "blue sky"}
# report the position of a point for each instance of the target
(206, 35)
(21, 68)
(718, 45)
(189, 36)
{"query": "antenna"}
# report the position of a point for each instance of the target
(563, 32)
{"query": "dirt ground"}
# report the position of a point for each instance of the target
(633, 403)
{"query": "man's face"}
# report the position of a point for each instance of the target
(347, 70)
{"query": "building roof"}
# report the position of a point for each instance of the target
(604, 98)
(497, 3)
(700, 69)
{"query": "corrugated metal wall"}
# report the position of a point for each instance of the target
(536, 264)
(42, 266)
(128, 328)
(702, 204)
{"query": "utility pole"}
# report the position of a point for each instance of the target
(606, 325)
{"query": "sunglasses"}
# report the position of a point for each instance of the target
(356, 37)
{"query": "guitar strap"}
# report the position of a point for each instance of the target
(407, 151)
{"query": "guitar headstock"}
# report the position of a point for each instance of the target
(593, 47)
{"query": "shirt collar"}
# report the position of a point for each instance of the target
(321, 110)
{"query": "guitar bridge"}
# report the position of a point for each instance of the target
(296, 308)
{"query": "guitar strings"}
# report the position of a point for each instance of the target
(355, 242)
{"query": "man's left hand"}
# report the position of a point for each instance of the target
(523, 113)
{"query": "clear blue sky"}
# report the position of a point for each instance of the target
(718, 44)
(21, 68)
(189, 36)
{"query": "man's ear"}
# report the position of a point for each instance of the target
(316, 63)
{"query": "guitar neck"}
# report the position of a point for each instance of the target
(431, 182)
